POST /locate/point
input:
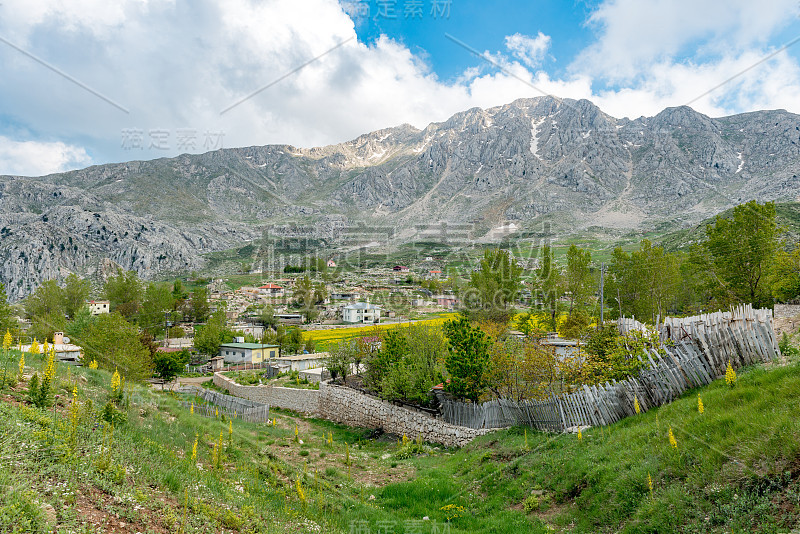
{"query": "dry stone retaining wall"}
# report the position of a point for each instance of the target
(347, 406)
(350, 407)
(787, 310)
(299, 400)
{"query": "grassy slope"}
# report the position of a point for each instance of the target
(735, 469)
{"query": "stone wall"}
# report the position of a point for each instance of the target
(352, 408)
(349, 407)
(299, 400)
(787, 310)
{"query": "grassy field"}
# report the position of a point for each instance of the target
(735, 468)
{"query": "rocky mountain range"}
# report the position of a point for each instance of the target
(486, 172)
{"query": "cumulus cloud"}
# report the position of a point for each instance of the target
(34, 158)
(529, 50)
(633, 34)
(176, 65)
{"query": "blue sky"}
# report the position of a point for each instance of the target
(483, 25)
(90, 81)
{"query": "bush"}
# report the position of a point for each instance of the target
(787, 349)
(531, 504)
(111, 414)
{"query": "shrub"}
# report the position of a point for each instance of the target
(111, 414)
(787, 349)
(409, 448)
(531, 503)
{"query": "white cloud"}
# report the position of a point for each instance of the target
(34, 158)
(529, 50)
(633, 34)
(176, 64)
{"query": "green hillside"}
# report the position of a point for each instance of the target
(734, 469)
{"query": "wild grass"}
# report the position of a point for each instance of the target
(735, 467)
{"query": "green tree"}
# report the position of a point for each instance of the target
(307, 294)
(340, 358)
(114, 343)
(548, 278)
(467, 361)
(76, 329)
(643, 283)
(209, 338)
(419, 366)
(393, 347)
(785, 279)
(742, 250)
(75, 293)
(124, 291)
(578, 280)
(497, 281)
(267, 317)
(47, 300)
(199, 304)
(157, 301)
(167, 366)
(44, 326)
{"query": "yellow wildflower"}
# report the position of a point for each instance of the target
(21, 364)
(673, 443)
(194, 447)
(7, 340)
(700, 407)
(93, 364)
(580, 434)
(636, 406)
(730, 375)
(50, 367)
(115, 382)
(35, 347)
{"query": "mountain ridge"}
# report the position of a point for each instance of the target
(560, 159)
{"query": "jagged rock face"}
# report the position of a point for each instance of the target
(531, 158)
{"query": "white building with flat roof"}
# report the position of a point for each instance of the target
(361, 312)
(96, 307)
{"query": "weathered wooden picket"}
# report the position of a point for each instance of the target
(234, 407)
(696, 351)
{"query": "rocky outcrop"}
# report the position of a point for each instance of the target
(563, 160)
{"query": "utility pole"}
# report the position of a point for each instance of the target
(602, 272)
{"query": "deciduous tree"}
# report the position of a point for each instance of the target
(467, 361)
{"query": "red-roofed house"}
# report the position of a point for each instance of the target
(271, 290)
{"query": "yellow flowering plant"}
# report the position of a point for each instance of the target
(730, 375)
(672, 441)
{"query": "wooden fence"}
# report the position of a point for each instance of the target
(696, 351)
(233, 407)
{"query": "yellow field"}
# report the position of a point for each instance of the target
(324, 337)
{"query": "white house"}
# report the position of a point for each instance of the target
(361, 312)
(247, 352)
(96, 307)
